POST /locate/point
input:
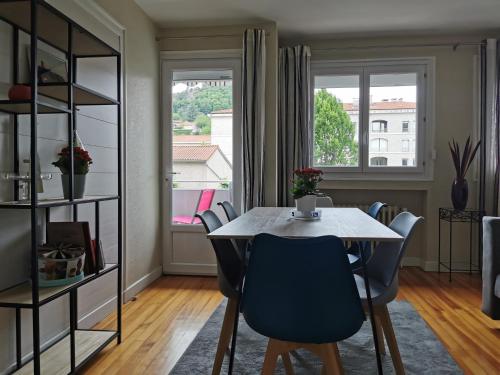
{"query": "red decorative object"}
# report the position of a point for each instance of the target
(20, 92)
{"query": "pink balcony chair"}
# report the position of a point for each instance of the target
(204, 203)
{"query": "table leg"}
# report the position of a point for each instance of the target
(470, 246)
(439, 245)
(237, 315)
(451, 239)
(370, 308)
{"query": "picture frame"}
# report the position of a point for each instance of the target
(51, 68)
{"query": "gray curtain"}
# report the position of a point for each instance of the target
(490, 127)
(253, 111)
(294, 128)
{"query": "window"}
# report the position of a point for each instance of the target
(379, 126)
(378, 144)
(356, 102)
(378, 161)
(405, 126)
(336, 120)
(405, 145)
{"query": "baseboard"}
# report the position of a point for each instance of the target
(98, 314)
(431, 266)
(142, 283)
(411, 262)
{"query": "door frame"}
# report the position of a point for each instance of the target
(193, 60)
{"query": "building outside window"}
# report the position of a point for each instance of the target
(378, 144)
(405, 145)
(378, 161)
(379, 126)
(404, 162)
(405, 126)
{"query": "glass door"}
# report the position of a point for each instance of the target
(201, 166)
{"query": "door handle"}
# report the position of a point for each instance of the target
(170, 173)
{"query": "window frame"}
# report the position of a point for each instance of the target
(424, 67)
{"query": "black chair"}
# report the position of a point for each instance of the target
(354, 251)
(232, 215)
(230, 269)
(228, 210)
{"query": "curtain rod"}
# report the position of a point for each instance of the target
(158, 38)
(449, 44)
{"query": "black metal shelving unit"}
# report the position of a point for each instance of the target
(45, 23)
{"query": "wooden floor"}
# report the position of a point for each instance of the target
(164, 319)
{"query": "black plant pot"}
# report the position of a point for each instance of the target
(459, 193)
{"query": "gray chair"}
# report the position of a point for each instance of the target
(382, 270)
(491, 267)
(230, 269)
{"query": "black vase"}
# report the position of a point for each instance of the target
(459, 193)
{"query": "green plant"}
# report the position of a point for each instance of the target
(334, 132)
(224, 185)
(81, 160)
(306, 182)
(462, 164)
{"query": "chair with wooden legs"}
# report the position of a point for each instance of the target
(382, 270)
(230, 269)
(301, 294)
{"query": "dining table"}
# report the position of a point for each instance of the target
(349, 224)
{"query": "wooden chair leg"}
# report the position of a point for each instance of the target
(385, 319)
(380, 334)
(287, 363)
(225, 335)
(331, 360)
(271, 357)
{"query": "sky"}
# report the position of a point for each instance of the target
(407, 93)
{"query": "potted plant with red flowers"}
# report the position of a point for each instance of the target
(81, 163)
(305, 188)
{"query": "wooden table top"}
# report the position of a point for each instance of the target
(346, 223)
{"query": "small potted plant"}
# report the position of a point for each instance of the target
(305, 188)
(82, 161)
(459, 188)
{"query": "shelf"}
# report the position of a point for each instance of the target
(20, 295)
(57, 202)
(53, 28)
(81, 95)
(23, 107)
(56, 359)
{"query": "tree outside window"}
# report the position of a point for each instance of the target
(335, 141)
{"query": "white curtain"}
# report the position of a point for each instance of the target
(253, 111)
(294, 128)
(490, 127)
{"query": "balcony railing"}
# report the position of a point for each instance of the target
(184, 200)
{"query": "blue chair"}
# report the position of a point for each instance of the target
(382, 271)
(354, 251)
(301, 294)
(230, 268)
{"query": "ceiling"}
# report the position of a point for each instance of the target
(301, 18)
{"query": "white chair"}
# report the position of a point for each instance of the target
(324, 202)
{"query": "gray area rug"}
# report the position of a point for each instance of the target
(421, 351)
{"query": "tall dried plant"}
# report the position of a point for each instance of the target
(462, 164)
